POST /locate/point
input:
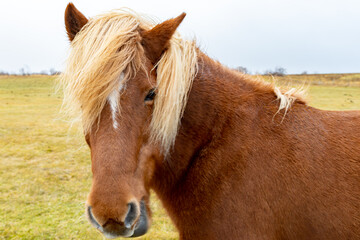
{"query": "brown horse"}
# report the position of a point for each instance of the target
(228, 156)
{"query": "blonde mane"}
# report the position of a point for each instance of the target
(108, 47)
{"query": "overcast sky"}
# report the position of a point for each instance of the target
(321, 36)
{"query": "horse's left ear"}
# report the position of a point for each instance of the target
(156, 40)
(74, 21)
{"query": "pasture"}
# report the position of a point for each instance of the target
(45, 167)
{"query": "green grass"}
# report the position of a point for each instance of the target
(334, 98)
(45, 169)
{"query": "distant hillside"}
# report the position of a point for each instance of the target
(344, 80)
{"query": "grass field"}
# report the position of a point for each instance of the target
(45, 171)
(338, 80)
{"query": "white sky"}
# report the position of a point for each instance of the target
(320, 36)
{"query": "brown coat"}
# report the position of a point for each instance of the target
(240, 174)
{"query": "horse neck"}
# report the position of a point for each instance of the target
(218, 94)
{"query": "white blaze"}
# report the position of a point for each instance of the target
(114, 99)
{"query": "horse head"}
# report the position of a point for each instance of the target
(112, 75)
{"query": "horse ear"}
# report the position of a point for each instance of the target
(156, 40)
(74, 21)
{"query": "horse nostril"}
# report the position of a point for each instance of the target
(131, 215)
(91, 218)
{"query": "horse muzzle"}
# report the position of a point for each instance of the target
(133, 225)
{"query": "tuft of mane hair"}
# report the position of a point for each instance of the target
(286, 96)
(108, 47)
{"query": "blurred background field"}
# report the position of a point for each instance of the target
(45, 168)
(343, 80)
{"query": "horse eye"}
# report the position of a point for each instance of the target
(150, 96)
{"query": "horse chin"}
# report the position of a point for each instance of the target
(112, 235)
(139, 229)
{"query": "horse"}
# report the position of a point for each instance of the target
(229, 156)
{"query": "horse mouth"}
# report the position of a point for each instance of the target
(119, 229)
